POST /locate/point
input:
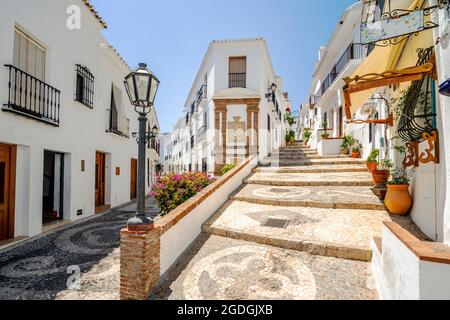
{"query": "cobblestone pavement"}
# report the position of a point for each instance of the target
(40, 269)
(227, 269)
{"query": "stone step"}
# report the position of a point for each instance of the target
(290, 163)
(318, 197)
(311, 179)
(307, 157)
(314, 169)
(340, 233)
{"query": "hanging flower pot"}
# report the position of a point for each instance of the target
(398, 200)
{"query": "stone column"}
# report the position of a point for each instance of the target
(139, 262)
(252, 146)
(220, 146)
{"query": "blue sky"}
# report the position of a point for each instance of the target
(172, 36)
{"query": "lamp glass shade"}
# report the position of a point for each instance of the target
(141, 86)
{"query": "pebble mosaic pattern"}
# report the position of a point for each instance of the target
(39, 269)
(221, 268)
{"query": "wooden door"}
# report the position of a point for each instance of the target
(7, 186)
(133, 179)
(341, 122)
(100, 179)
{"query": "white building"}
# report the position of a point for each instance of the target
(337, 60)
(66, 150)
(164, 142)
(405, 267)
(228, 112)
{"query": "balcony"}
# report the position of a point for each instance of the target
(118, 124)
(237, 80)
(313, 100)
(192, 142)
(31, 97)
(202, 93)
(354, 51)
(201, 133)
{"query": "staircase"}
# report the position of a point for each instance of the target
(301, 201)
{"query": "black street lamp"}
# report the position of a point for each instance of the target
(141, 86)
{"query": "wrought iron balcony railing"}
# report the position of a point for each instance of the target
(237, 80)
(354, 51)
(202, 93)
(118, 123)
(32, 97)
(201, 133)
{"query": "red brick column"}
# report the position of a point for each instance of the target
(139, 262)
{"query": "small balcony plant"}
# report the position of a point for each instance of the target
(381, 174)
(372, 160)
(398, 199)
(325, 135)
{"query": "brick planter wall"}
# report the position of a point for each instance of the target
(139, 263)
(140, 250)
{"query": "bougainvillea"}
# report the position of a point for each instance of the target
(173, 189)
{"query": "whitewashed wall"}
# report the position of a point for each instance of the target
(82, 130)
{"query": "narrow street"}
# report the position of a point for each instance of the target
(299, 232)
(39, 268)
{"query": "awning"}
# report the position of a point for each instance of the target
(395, 64)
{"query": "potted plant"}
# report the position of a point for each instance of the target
(347, 143)
(398, 199)
(325, 135)
(356, 150)
(290, 137)
(372, 160)
(307, 134)
(381, 174)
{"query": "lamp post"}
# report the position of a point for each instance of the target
(141, 86)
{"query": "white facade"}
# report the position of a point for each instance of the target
(337, 60)
(229, 117)
(81, 131)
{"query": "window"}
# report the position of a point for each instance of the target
(29, 56)
(84, 90)
(237, 72)
(205, 119)
(268, 122)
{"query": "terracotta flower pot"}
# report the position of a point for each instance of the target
(398, 200)
(380, 177)
(325, 136)
(356, 154)
(372, 166)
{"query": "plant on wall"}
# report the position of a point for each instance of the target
(174, 189)
(228, 167)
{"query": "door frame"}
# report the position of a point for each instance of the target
(12, 188)
(134, 161)
(61, 182)
(102, 154)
